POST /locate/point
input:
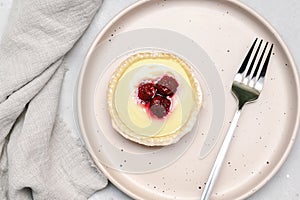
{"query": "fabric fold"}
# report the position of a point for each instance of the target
(39, 157)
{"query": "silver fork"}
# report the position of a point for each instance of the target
(246, 87)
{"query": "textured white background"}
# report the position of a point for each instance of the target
(283, 15)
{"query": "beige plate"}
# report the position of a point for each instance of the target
(266, 130)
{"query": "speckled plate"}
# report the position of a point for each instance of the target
(265, 133)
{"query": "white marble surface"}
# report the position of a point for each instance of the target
(283, 15)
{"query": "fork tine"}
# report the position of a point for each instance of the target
(265, 66)
(259, 62)
(247, 58)
(260, 80)
(253, 60)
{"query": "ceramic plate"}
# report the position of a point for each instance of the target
(213, 37)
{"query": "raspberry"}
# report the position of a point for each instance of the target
(166, 86)
(146, 91)
(160, 106)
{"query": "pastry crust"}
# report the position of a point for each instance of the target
(154, 140)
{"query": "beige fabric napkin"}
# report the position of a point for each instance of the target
(39, 157)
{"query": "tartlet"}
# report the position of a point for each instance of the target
(139, 91)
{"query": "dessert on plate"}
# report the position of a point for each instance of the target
(153, 98)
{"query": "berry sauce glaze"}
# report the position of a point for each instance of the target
(156, 95)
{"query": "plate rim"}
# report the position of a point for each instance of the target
(240, 5)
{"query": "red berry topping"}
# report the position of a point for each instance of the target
(166, 86)
(160, 106)
(146, 91)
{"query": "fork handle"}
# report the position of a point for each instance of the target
(220, 157)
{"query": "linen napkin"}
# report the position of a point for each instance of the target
(39, 157)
